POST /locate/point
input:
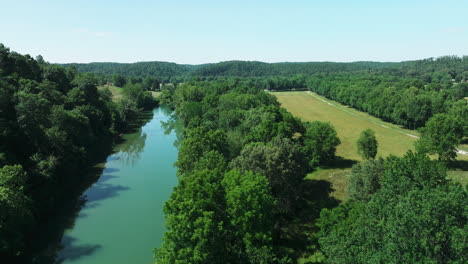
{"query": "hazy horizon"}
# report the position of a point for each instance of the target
(204, 63)
(185, 32)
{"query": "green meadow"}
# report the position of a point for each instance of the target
(349, 123)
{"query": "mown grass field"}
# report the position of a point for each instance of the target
(349, 123)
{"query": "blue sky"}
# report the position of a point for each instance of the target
(201, 31)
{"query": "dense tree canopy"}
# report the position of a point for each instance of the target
(282, 162)
(416, 216)
(269, 152)
(441, 135)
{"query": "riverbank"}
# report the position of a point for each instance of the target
(97, 187)
(126, 203)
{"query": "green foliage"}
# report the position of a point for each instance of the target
(50, 120)
(416, 216)
(151, 84)
(282, 162)
(406, 93)
(198, 142)
(320, 142)
(460, 109)
(365, 179)
(414, 170)
(137, 94)
(249, 207)
(262, 143)
(15, 210)
(267, 147)
(194, 216)
(367, 144)
(134, 99)
(217, 217)
(119, 80)
(441, 135)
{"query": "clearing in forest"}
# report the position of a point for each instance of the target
(117, 92)
(349, 123)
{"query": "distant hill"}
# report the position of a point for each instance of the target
(227, 68)
(150, 68)
(168, 70)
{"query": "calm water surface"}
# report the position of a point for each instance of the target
(122, 220)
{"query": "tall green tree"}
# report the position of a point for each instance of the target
(365, 179)
(249, 207)
(441, 135)
(320, 142)
(282, 162)
(194, 216)
(367, 144)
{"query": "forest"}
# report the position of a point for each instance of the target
(242, 196)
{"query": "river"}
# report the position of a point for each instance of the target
(122, 220)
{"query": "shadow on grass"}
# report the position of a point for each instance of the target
(342, 163)
(458, 165)
(298, 237)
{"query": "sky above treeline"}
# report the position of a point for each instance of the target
(195, 32)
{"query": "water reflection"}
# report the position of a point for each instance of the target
(173, 124)
(141, 120)
(129, 151)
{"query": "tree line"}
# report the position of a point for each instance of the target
(446, 67)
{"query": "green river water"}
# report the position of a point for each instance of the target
(122, 220)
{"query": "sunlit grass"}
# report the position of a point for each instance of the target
(117, 92)
(349, 123)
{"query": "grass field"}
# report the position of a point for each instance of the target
(349, 123)
(117, 92)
